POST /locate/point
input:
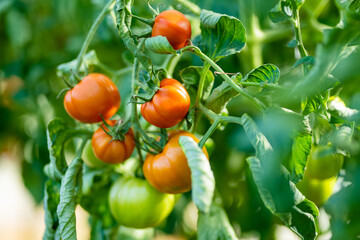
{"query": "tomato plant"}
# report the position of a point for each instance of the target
(94, 96)
(134, 203)
(110, 150)
(174, 26)
(277, 102)
(169, 105)
(168, 171)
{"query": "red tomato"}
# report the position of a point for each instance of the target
(115, 151)
(96, 94)
(174, 26)
(169, 105)
(169, 171)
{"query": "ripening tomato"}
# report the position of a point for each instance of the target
(95, 94)
(135, 203)
(169, 105)
(89, 157)
(323, 163)
(115, 151)
(174, 26)
(317, 190)
(169, 171)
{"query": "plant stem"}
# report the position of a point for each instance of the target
(171, 64)
(239, 89)
(199, 94)
(81, 148)
(134, 115)
(209, 132)
(91, 33)
(298, 36)
(202, 83)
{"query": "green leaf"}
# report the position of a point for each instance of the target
(202, 178)
(58, 132)
(343, 208)
(159, 45)
(293, 43)
(300, 217)
(278, 194)
(95, 178)
(267, 73)
(191, 78)
(300, 151)
(283, 10)
(90, 59)
(221, 35)
(222, 95)
(337, 108)
(327, 56)
(308, 59)
(68, 191)
(215, 225)
(123, 19)
(51, 201)
(354, 5)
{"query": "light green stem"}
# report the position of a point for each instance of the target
(91, 33)
(239, 89)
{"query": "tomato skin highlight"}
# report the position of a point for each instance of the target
(135, 203)
(115, 151)
(169, 171)
(174, 26)
(169, 105)
(95, 94)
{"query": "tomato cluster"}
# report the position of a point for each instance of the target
(136, 202)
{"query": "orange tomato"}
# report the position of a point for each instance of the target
(169, 105)
(169, 171)
(174, 26)
(115, 151)
(96, 94)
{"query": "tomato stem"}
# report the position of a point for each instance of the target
(144, 20)
(91, 33)
(209, 132)
(135, 119)
(195, 50)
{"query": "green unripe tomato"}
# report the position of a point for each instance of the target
(89, 157)
(317, 190)
(323, 163)
(135, 203)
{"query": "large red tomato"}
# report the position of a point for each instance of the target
(96, 94)
(174, 26)
(115, 151)
(169, 171)
(169, 105)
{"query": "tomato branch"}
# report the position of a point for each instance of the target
(134, 115)
(238, 88)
